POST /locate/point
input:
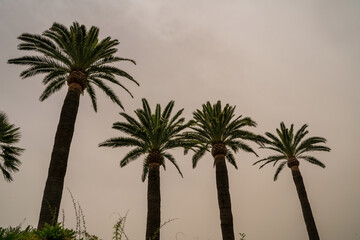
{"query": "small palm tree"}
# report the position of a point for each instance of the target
(9, 135)
(290, 148)
(75, 57)
(152, 134)
(217, 130)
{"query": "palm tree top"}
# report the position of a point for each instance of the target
(9, 135)
(66, 51)
(289, 145)
(151, 133)
(217, 125)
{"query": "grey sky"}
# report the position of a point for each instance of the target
(292, 61)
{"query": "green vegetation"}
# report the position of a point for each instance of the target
(58, 232)
(15, 233)
(48, 232)
(9, 135)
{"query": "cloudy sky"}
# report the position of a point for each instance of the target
(292, 61)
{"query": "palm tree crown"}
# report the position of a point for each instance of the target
(290, 146)
(69, 55)
(215, 125)
(152, 134)
(9, 135)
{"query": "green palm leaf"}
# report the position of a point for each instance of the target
(131, 156)
(313, 160)
(198, 155)
(9, 154)
(290, 145)
(278, 170)
(91, 91)
(172, 160)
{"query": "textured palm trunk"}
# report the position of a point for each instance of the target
(222, 184)
(55, 181)
(304, 201)
(154, 202)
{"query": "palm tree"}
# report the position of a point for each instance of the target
(152, 134)
(218, 130)
(9, 135)
(290, 148)
(77, 57)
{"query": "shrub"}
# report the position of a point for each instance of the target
(55, 232)
(15, 233)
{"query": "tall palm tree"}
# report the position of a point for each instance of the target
(290, 148)
(217, 130)
(77, 57)
(153, 134)
(9, 135)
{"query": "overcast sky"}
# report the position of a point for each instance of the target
(291, 61)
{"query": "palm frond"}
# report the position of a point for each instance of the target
(312, 160)
(90, 90)
(122, 142)
(278, 170)
(54, 75)
(274, 141)
(172, 160)
(107, 91)
(239, 145)
(111, 79)
(131, 156)
(309, 145)
(313, 148)
(168, 109)
(43, 45)
(145, 171)
(52, 87)
(270, 159)
(230, 157)
(197, 156)
(112, 59)
(9, 135)
(112, 70)
(300, 134)
(38, 69)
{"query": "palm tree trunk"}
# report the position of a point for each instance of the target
(222, 184)
(154, 200)
(55, 181)
(305, 204)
